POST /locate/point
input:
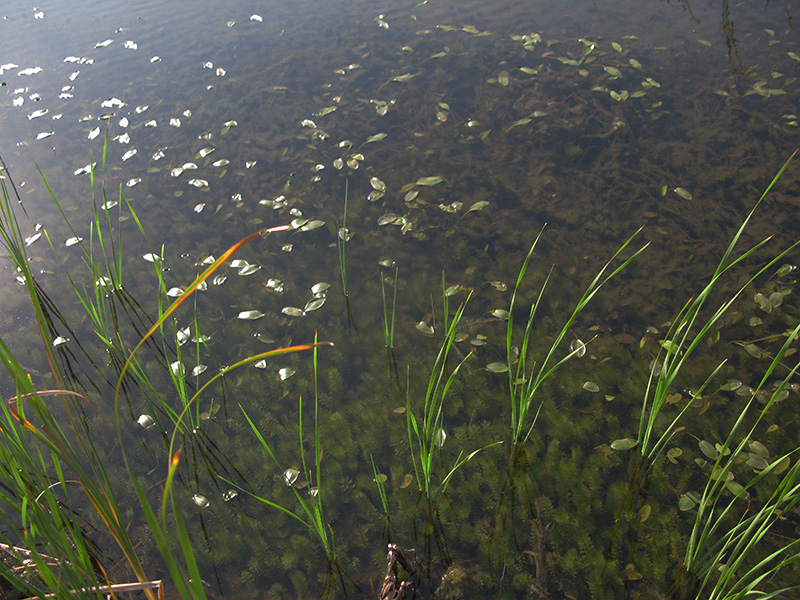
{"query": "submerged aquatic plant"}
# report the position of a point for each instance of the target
(525, 379)
(428, 430)
(740, 560)
(685, 335)
(311, 515)
(35, 443)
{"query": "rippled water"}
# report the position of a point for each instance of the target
(594, 118)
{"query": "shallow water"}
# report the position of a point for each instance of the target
(615, 110)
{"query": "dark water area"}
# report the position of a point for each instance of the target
(444, 136)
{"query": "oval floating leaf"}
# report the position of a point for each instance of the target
(250, 315)
(591, 386)
(683, 193)
(497, 367)
(624, 444)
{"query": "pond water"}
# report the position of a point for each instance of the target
(412, 146)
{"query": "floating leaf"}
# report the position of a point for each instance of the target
(175, 292)
(198, 370)
(320, 287)
(708, 449)
(290, 476)
(285, 373)
(616, 46)
(480, 205)
(292, 311)
(624, 444)
(440, 438)
(686, 503)
(248, 270)
(613, 72)
(250, 315)
(377, 184)
(731, 385)
(177, 368)
(500, 313)
(312, 225)
(424, 328)
(314, 304)
(591, 386)
(402, 78)
(376, 138)
(497, 367)
(683, 193)
(763, 302)
(146, 421)
(756, 461)
(753, 350)
(429, 181)
(578, 347)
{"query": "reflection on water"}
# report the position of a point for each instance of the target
(455, 132)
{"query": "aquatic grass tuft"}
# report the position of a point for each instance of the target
(428, 430)
(740, 561)
(682, 340)
(525, 379)
(388, 322)
(312, 506)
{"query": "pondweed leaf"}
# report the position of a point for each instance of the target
(578, 347)
(624, 444)
(314, 304)
(376, 138)
(290, 476)
(497, 367)
(440, 438)
(377, 184)
(285, 373)
(708, 449)
(248, 270)
(613, 72)
(250, 315)
(480, 205)
(312, 225)
(402, 78)
(429, 181)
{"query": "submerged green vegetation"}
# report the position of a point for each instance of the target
(398, 350)
(742, 493)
